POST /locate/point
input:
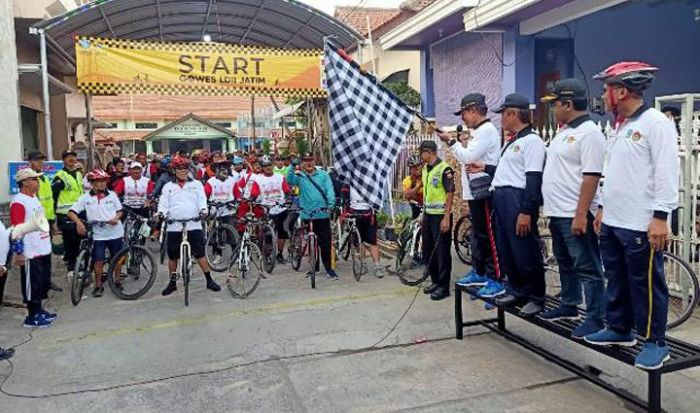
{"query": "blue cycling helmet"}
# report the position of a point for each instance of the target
(237, 160)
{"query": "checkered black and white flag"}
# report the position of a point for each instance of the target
(368, 126)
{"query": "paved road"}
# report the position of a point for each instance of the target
(288, 348)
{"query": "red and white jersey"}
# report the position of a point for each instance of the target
(221, 191)
(269, 191)
(244, 185)
(135, 193)
(23, 209)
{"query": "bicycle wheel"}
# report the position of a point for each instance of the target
(683, 289)
(220, 245)
(410, 267)
(358, 253)
(245, 270)
(462, 241)
(186, 269)
(296, 249)
(344, 244)
(312, 246)
(269, 249)
(80, 276)
(137, 272)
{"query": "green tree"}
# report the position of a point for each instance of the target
(266, 147)
(302, 145)
(406, 93)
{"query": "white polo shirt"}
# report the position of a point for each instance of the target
(101, 208)
(484, 146)
(642, 172)
(525, 154)
(577, 149)
(184, 201)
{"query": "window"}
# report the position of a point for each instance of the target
(113, 125)
(224, 124)
(146, 125)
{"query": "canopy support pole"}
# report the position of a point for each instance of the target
(90, 141)
(45, 95)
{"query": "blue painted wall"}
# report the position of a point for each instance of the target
(662, 33)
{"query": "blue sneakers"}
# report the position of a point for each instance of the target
(332, 275)
(472, 279)
(607, 337)
(586, 328)
(562, 313)
(48, 315)
(652, 356)
(491, 289)
(37, 321)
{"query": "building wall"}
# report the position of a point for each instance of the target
(391, 61)
(662, 33)
(465, 64)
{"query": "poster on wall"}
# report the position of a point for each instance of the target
(109, 66)
(50, 169)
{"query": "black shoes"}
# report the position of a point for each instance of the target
(530, 309)
(439, 294)
(212, 285)
(170, 288)
(430, 289)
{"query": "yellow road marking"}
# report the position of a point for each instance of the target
(237, 313)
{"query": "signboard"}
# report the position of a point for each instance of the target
(50, 169)
(189, 128)
(274, 134)
(109, 66)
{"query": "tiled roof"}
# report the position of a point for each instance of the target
(114, 135)
(357, 17)
(155, 107)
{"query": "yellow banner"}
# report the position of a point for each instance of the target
(113, 66)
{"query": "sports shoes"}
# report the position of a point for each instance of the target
(491, 289)
(586, 328)
(48, 315)
(170, 288)
(562, 313)
(212, 285)
(530, 309)
(216, 260)
(281, 260)
(37, 321)
(472, 279)
(608, 337)
(379, 271)
(652, 356)
(6, 353)
(98, 292)
(332, 275)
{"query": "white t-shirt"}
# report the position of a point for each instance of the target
(573, 152)
(356, 201)
(36, 243)
(183, 202)
(484, 146)
(525, 154)
(642, 172)
(101, 208)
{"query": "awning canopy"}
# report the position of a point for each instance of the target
(30, 77)
(288, 111)
(271, 23)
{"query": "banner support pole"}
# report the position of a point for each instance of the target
(46, 95)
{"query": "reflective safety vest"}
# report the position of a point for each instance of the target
(72, 190)
(45, 196)
(434, 194)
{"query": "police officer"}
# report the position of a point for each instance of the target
(641, 190)
(438, 192)
(45, 195)
(67, 187)
(517, 198)
(574, 166)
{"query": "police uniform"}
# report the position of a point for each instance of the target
(67, 188)
(517, 184)
(438, 182)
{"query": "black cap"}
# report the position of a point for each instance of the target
(67, 153)
(428, 145)
(566, 89)
(35, 156)
(308, 156)
(514, 101)
(472, 99)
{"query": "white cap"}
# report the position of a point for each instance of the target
(26, 173)
(135, 165)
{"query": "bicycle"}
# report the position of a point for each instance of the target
(304, 243)
(245, 269)
(350, 242)
(185, 264)
(135, 263)
(683, 289)
(222, 237)
(462, 239)
(409, 256)
(83, 264)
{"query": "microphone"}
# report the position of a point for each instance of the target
(459, 131)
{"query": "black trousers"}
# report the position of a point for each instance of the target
(322, 229)
(71, 240)
(481, 238)
(437, 249)
(35, 279)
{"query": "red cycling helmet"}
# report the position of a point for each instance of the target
(97, 175)
(632, 75)
(179, 162)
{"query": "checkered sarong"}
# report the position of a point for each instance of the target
(368, 126)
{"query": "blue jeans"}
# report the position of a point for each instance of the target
(579, 264)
